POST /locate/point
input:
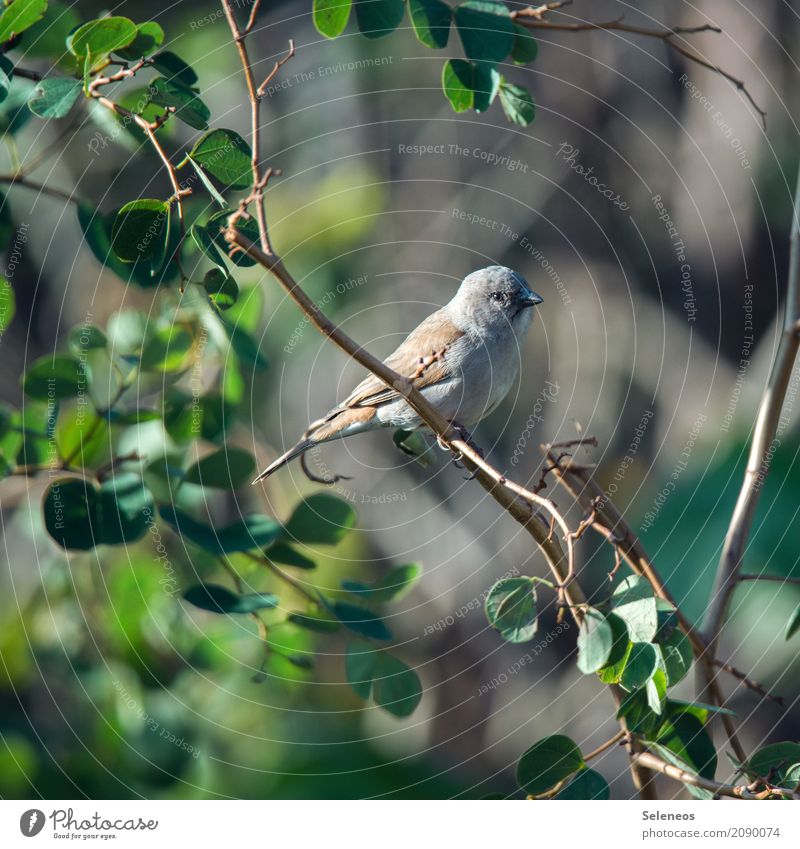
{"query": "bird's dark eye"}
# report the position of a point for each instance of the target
(498, 297)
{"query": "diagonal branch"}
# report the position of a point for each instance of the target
(533, 18)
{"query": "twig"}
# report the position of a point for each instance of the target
(531, 18)
(278, 65)
(765, 441)
(618, 737)
(734, 791)
(22, 180)
(747, 682)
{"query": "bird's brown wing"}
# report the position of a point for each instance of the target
(422, 357)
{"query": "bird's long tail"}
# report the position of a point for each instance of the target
(281, 461)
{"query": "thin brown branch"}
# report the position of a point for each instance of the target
(22, 180)
(239, 36)
(733, 791)
(618, 737)
(747, 682)
(532, 18)
(278, 65)
(765, 441)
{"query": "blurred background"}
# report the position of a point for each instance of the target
(650, 208)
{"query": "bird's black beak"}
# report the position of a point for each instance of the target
(532, 299)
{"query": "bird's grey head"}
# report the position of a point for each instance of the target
(495, 298)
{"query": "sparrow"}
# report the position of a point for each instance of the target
(463, 358)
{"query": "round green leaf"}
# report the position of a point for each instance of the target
(149, 37)
(641, 666)
(361, 621)
(218, 599)
(170, 93)
(377, 18)
(547, 762)
(248, 227)
(165, 349)
(80, 435)
(227, 468)
(517, 104)
(634, 602)
(173, 67)
(251, 532)
(685, 736)
(595, 640)
(587, 784)
(86, 337)
(139, 229)
(486, 30)
(359, 664)
(526, 48)
(395, 686)
(48, 35)
(431, 21)
(19, 16)
(511, 609)
(54, 97)
(776, 759)
(53, 378)
(320, 520)
(457, 84)
(8, 304)
(396, 584)
(330, 16)
(677, 653)
(126, 509)
(280, 552)
(222, 289)
(71, 516)
(100, 37)
(226, 156)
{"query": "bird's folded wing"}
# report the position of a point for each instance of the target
(422, 357)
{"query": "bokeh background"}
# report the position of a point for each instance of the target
(661, 358)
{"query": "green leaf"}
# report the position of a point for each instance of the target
(46, 38)
(457, 84)
(170, 93)
(79, 515)
(656, 691)
(6, 76)
(330, 16)
(587, 784)
(280, 552)
(633, 601)
(173, 68)
(678, 658)
(222, 289)
(361, 621)
(377, 18)
(359, 665)
(227, 468)
(595, 640)
(86, 337)
(80, 435)
(248, 227)
(139, 229)
(93, 41)
(526, 48)
(547, 762)
(431, 21)
(312, 622)
(699, 710)
(794, 624)
(19, 16)
(165, 349)
(511, 609)
(149, 37)
(774, 761)
(226, 156)
(203, 240)
(252, 532)
(639, 715)
(641, 666)
(53, 378)
(187, 417)
(670, 757)
(219, 599)
(396, 584)
(243, 344)
(685, 736)
(320, 520)
(486, 30)
(517, 104)
(8, 304)
(395, 686)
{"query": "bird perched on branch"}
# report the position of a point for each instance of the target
(463, 359)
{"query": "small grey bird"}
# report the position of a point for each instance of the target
(463, 359)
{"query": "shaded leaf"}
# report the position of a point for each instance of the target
(361, 621)
(378, 18)
(511, 609)
(320, 520)
(525, 48)
(55, 377)
(280, 552)
(227, 468)
(219, 599)
(678, 657)
(252, 532)
(149, 37)
(54, 97)
(395, 686)
(486, 29)
(139, 229)
(173, 67)
(431, 21)
(641, 666)
(170, 93)
(587, 784)
(313, 622)
(547, 762)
